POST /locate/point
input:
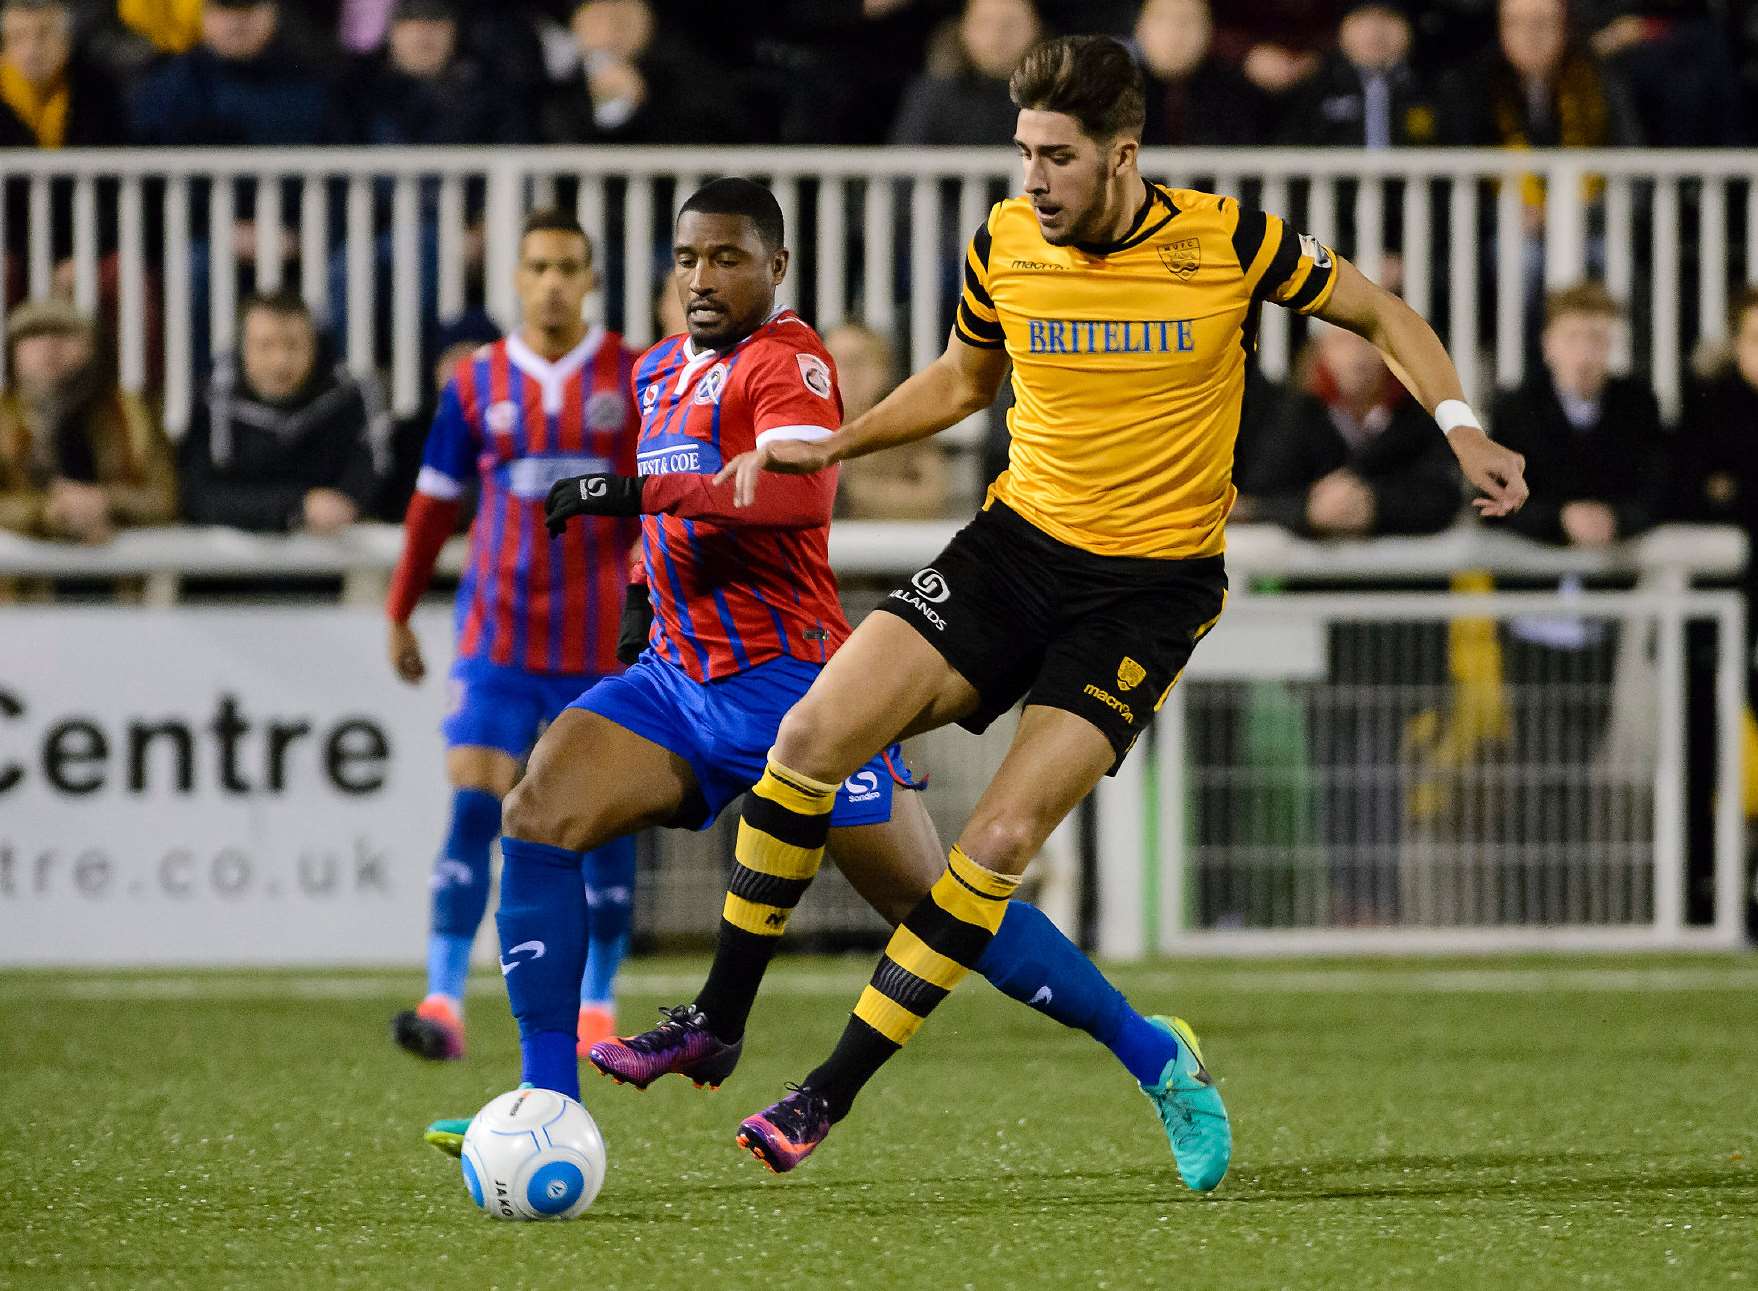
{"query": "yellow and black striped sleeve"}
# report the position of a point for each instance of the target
(1294, 270)
(977, 323)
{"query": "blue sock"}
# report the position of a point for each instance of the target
(609, 875)
(1030, 960)
(542, 921)
(460, 889)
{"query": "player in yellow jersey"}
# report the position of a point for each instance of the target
(1128, 311)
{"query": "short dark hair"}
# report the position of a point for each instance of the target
(552, 219)
(285, 302)
(736, 195)
(1094, 79)
(1582, 298)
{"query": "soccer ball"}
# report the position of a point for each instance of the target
(533, 1154)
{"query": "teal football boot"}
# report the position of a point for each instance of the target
(1190, 1108)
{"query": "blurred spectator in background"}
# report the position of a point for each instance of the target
(1277, 43)
(454, 342)
(668, 310)
(1353, 457)
(1593, 442)
(52, 98)
(971, 105)
(78, 457)
(173, 26)
(242, 85)
(1717, 448)
(1676, 59)
(1194, 99)
(637, 84)
(422, 89)
(1365, 93)
(1536, 89)
(286, 439)
(835, 73)
(903, 483)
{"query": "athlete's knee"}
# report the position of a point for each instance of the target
(1006, 840)
(540, 815)
(807, 741)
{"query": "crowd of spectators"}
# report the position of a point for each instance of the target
(1375, 73)
(283, 438)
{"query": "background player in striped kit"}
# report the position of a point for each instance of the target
(537, 617)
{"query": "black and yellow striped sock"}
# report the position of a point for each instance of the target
(929, 954)
(782, 826)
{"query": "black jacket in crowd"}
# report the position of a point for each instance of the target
(249, 463)
(1619, 460)
(1716, 456)
(1329, 108)
(1405, 463)
(94, 120)
(1215, 106)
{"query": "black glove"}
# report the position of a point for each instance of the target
(637, 624)
(591, 495)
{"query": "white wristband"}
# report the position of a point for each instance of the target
(1451, 414)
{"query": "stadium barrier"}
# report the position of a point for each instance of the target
(1669, 231)
(1444, 767)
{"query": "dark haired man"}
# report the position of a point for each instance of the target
(745, 614)
(287, 438)
(1128, 311)
(537, 615)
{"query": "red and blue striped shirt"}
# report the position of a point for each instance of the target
(519, 423)
(733, 588)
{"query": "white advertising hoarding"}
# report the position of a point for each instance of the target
(215, 786)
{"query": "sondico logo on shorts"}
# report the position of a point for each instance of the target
(862, 786)
(926, 590)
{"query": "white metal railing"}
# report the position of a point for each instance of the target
(1647, 222)
(365, 554)
(1285, 805)
(1433, 879)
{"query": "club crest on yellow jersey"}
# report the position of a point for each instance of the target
(1183, 259)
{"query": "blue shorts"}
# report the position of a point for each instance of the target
(726, 728)
(506, 708)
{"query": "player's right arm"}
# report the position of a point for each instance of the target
(432, 515)
(963, 380)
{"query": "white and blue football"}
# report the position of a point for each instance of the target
(533, 1154)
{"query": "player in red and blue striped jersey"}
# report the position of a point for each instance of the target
(746, 615)
(537, 617)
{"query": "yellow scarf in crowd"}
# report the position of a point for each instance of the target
(173, 25)
(44, 113)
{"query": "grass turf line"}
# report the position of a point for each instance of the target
(1463, 1137)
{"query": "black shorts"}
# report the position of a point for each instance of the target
(1022, 616)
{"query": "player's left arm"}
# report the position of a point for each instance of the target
(783, 394)
(1419, 360)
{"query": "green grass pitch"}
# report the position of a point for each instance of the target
(1512, 1124)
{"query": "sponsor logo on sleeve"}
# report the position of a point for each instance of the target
(1315, 251)
(815, 372)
